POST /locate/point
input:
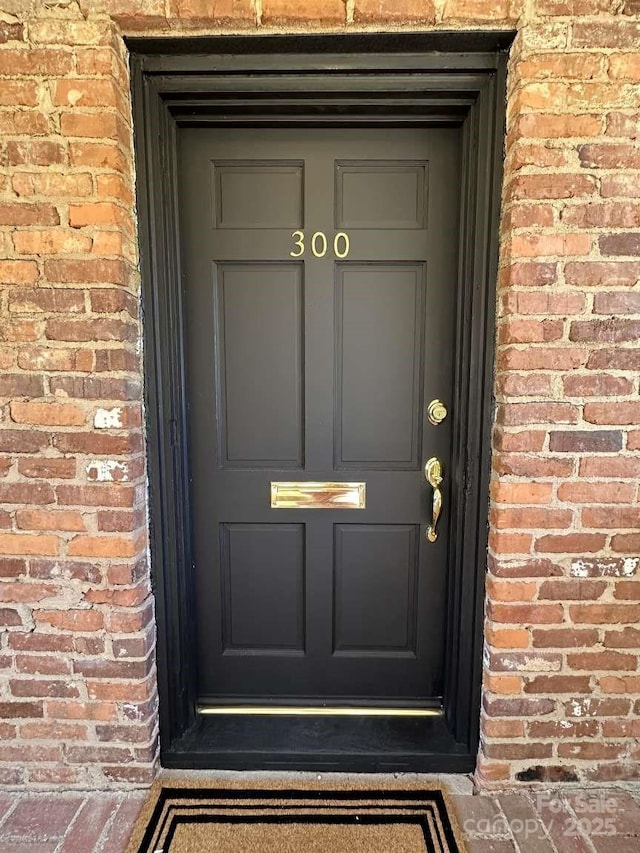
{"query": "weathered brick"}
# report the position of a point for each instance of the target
(18, 214)
(18, 272)
(276, 12)
(401, 11)
(580, 441)
(570, 543)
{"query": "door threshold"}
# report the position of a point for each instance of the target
(358, 744)
(313, 711)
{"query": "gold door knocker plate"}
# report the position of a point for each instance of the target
(306, 495)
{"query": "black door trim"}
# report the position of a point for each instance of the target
(366, 80)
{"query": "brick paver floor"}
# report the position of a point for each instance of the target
(564, 821)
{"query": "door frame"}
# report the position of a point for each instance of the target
(438, 78)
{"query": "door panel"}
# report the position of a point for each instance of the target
(379, 334)
(260, 387)
(318, 369)
(376, 564)
(262, 574)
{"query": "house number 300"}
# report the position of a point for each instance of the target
(320, 244)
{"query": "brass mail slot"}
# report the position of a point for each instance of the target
(305, 495)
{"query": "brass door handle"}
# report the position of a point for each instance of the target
(433, 474)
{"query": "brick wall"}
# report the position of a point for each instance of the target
(561, 685)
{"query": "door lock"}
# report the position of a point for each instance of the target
(436, 412)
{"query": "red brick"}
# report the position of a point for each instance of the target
(620, 184)
(607, 33)
(562, 729)
(605, 466)
(276, 12)
(620, 244)
(18, 272)
(531, 518)
(614, 359)
(96, 388)
(90, 271)
(519, 707)
(601, 614)
(12, 568)
(620, 684)
(600, 493)
(580, 441)
(49, 520)
(510, 590)
(602, 273)
(49, 300)
(612, 517)
(18, 214)
(98, 155)
(104, 546)
(627, 638)
(38, 153)
(570, 543)
(533, 413)
(71, 620)
(626, 543)
(610, 215)
(515, 331)
(521, 493)
(509, 543)
(552, 187)
(16, 543)
(571, 589)
(541, 245)
(617, 303)
(564, 638)
(104, 494)
(529, 614)
(623, 125)
(35, 642)
(91, 330)
(614, 330)
(58, 414)
(527, 440)
(10, 618)
(590, 750)
(22, 441)
(541, 302)
(61, 710)
(24, 710)
(529, 274)
(612, 413)
(609, 156)
(600, 385)
(558, 684)
(51, 242)
(45, 468)
(541, 358)
(403, 11)
(602, 661)
(79, 93)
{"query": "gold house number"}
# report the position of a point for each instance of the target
(320, 244)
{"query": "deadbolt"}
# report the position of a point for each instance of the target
(436, 412)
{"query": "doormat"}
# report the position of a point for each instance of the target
(188, 818)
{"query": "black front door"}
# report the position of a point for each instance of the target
(319, 280)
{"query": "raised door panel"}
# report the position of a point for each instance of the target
(262, 578)
(379, 365)
(260, 376)
(381, 194)
(375, 589)
(257, 194)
